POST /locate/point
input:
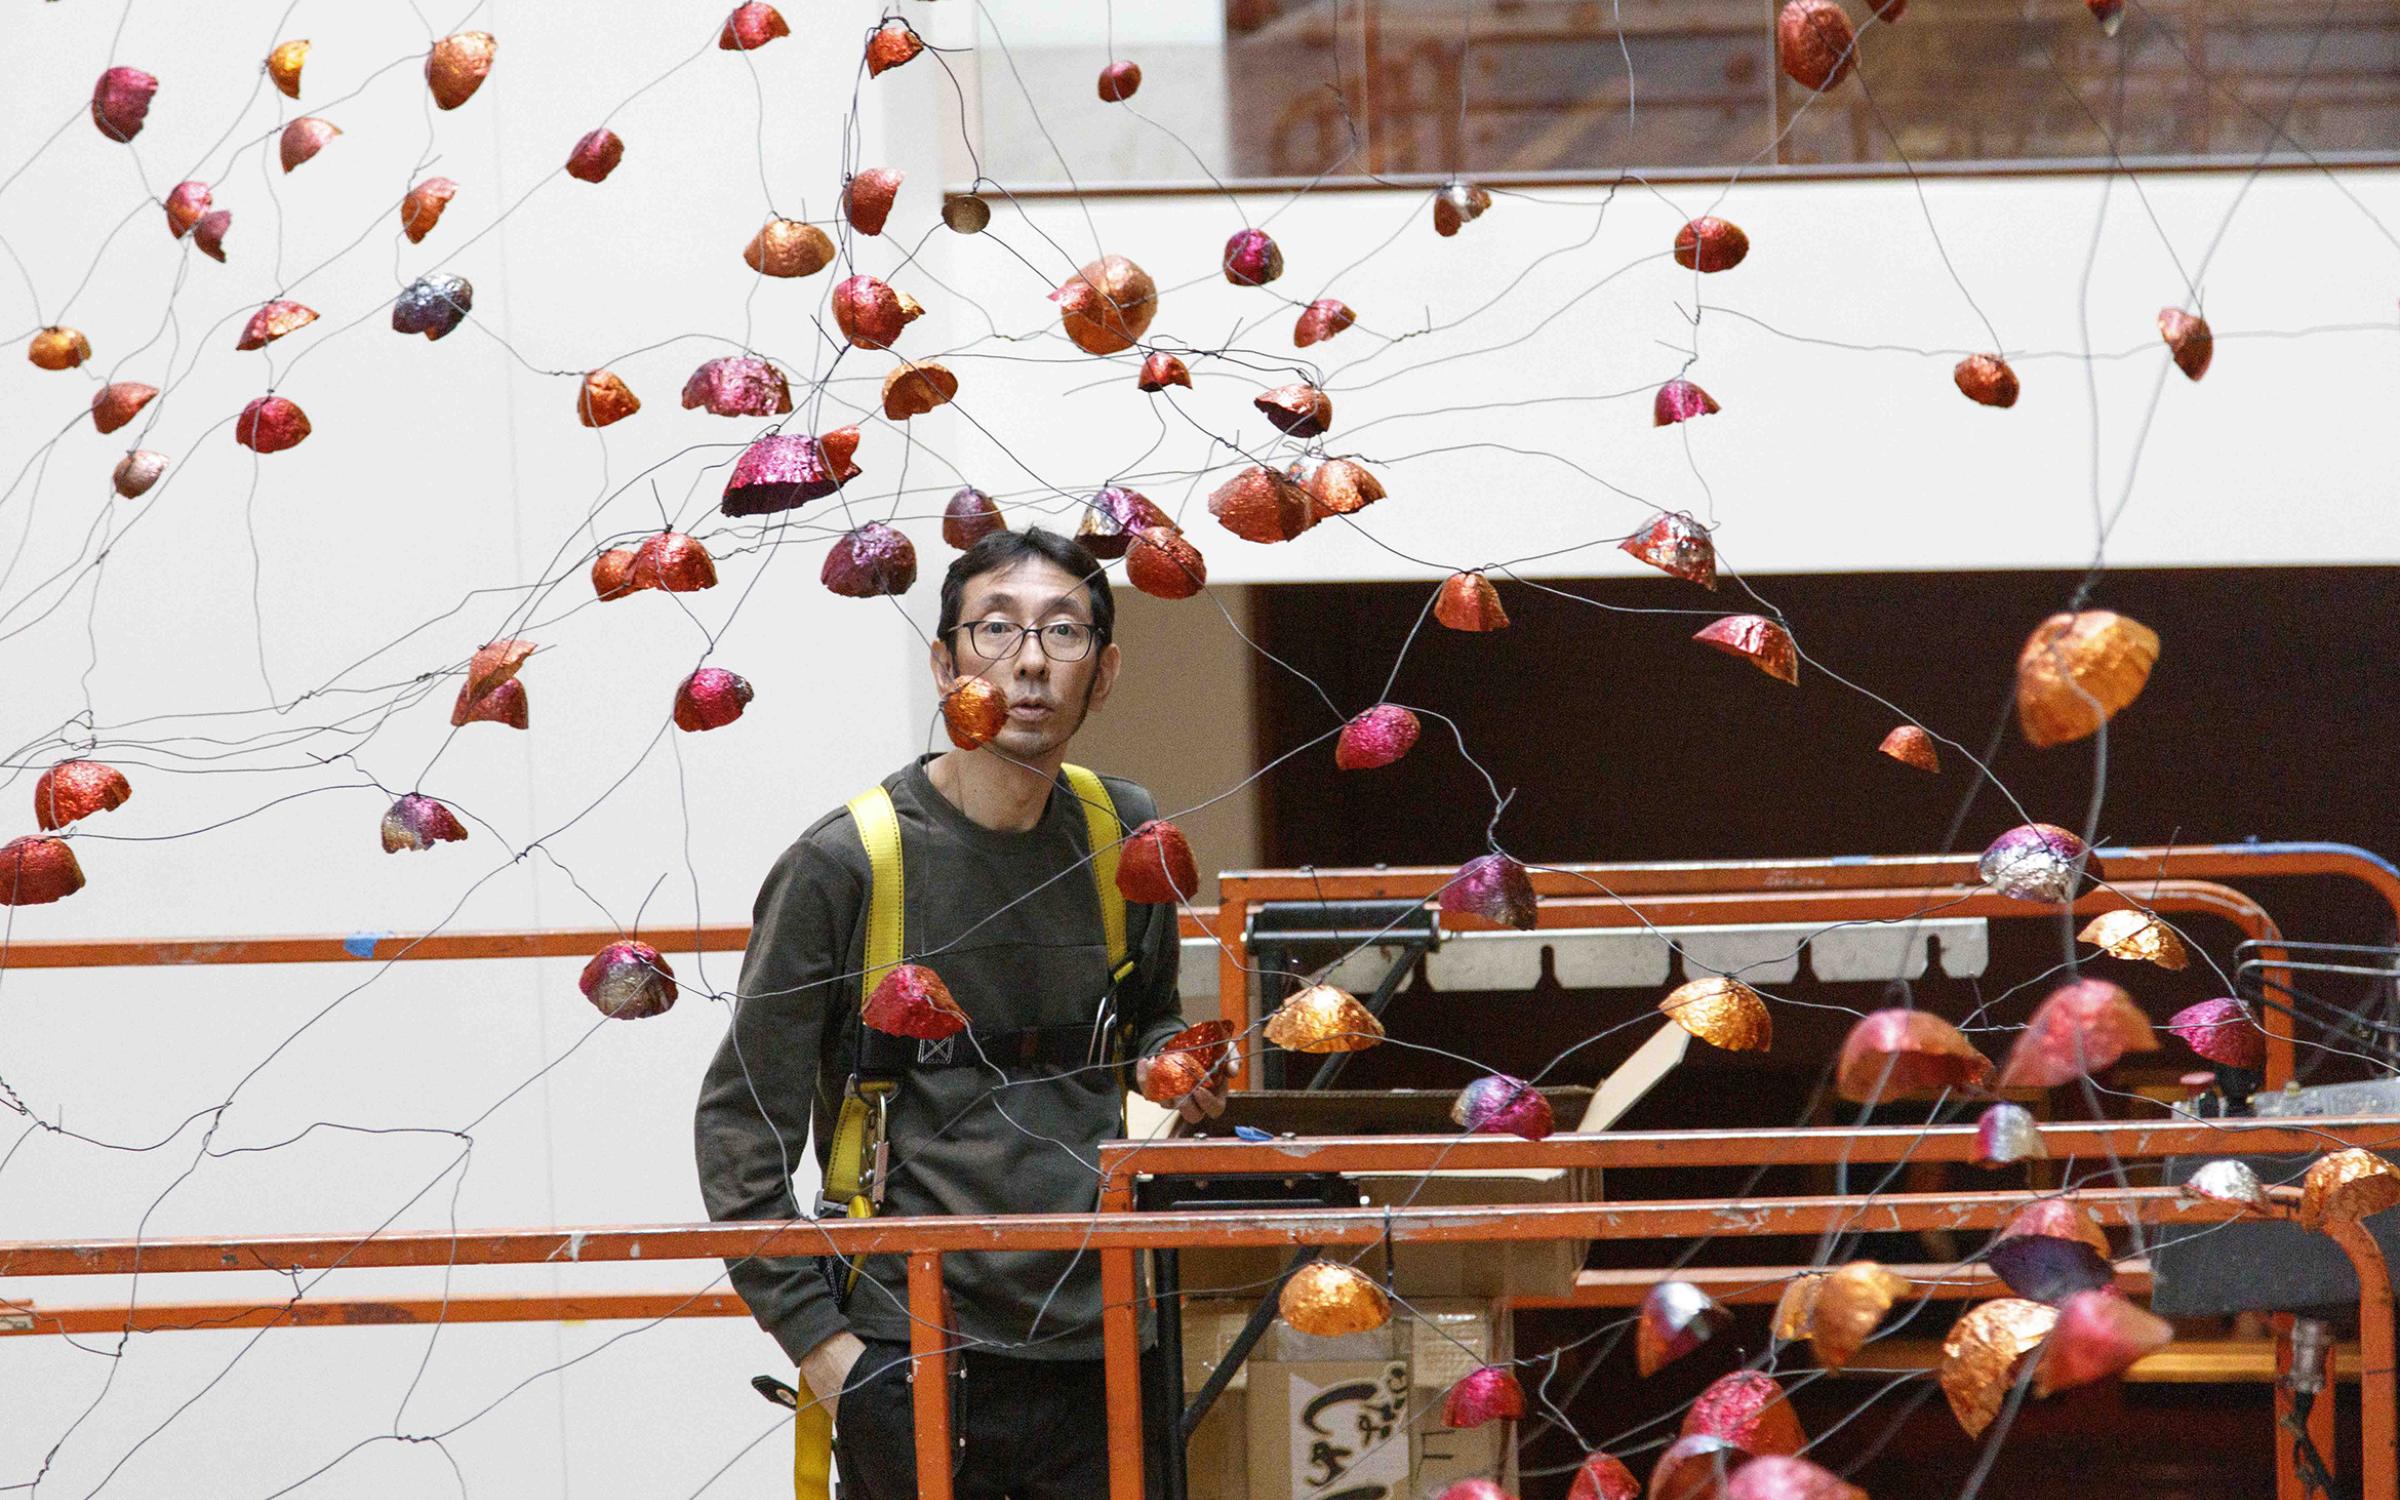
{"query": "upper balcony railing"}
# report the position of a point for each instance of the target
(1549, 90)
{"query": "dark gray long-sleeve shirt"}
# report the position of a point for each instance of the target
(1011, 922)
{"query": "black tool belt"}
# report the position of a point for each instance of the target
(1059, 1048)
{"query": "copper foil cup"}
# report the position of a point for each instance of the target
(974, 712)
(1722, 1012)
(1327, 1299)
(1322, 1019)
(2076, 672)
(1891, 1053)
(912, 1001)
(1757, 640)
(75, 789)
(1981, 1356)
(1155, 866)
(1912, 746)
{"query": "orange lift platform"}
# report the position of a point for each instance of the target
(1827, 894)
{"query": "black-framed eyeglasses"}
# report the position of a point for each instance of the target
(998, 640)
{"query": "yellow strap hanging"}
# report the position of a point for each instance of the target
(846, 1164)
(1103, 831)
(812, 1451)
(879, 829)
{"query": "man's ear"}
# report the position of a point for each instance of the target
(1104, 676)
(945, 674)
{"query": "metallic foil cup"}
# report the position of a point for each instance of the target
(2080, 1028)
(1154, 865)
(2347, 1186)
(1376, 738)
(628, 981)
(1676, 1318)
(1894, 1053)
(2133, 934)
(1912, 746)
(2098, 1334)
(1748, 1410)
(75, 789)
(710, 698)
(1327, 1299)
(1323, 1019)
(1757, 640)
(1722, 1012)
(414, 822)
(2077, 671)
(912, 1001)
(2223, 1031)
(1814, 43)
(36, 870)
(1980, 1356)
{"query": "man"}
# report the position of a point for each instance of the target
(1001, 903)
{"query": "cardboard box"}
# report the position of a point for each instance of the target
(1329, 1417)
(1217, 1460)
(1447, 1339)
(1237, 1456)
(1525, 1268)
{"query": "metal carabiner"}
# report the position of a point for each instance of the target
(879, 1148)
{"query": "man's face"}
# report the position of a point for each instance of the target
(1047, 698)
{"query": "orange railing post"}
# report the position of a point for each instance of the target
(929, 1350)
(2379, 1423)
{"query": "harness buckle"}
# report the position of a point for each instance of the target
(874, 1152)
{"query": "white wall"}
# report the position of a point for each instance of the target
(1521, 425)
(440, 481)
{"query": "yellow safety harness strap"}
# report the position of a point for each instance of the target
(1103, 832)
(812, 1452)
(879, 829)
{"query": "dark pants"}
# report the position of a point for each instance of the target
(1031, 1429)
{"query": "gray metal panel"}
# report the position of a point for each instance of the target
(1897, 950)
(1624, 958)
(1197, 974)
(1637, 957)
(1756, 953)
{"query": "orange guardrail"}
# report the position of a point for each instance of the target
(1894, 889)
(1119, 1237)
(1801, 890)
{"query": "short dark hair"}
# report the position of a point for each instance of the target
(1001, 550)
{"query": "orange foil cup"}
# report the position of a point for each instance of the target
(1912, 746)
(1849, 1305)
(1980, 1358)
(1723, 1013)
(2134, 934)
(1327, 1299)
(1186, 1061)
(2347, 1186)
(1469, 602)
(1758, 640)
(1323, 1019)
(2077, 671)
